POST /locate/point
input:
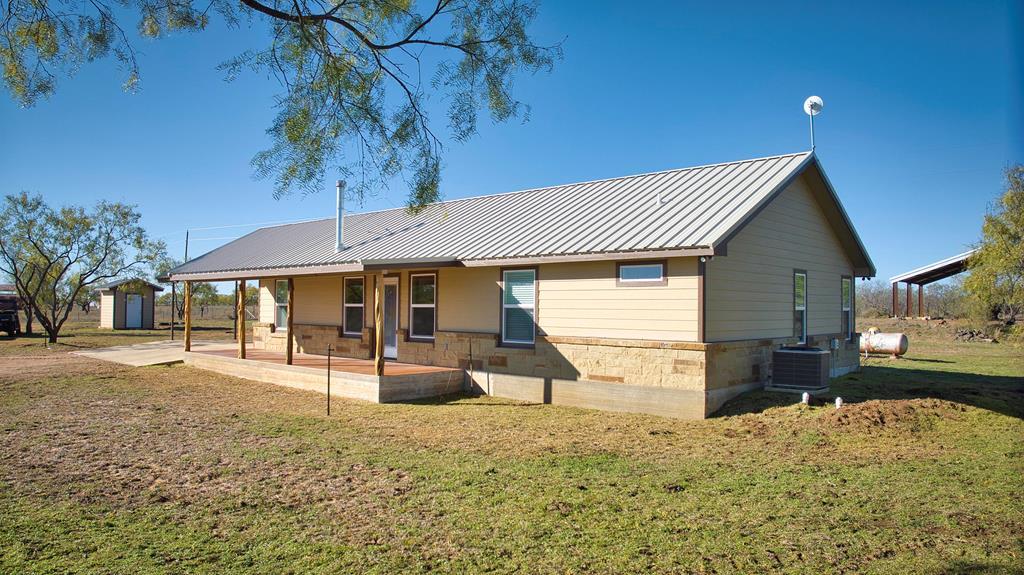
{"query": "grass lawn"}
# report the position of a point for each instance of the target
(110, 469)
(88, 335)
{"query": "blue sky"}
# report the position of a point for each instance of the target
(922, 113)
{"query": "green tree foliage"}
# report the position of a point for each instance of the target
(355, 74)
(252, 295)
(56, 254)
(996, 280)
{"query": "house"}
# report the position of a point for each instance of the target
(127, 304)
(661, 293)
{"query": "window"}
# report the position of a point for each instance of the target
(847, 291)
(354, 306)
(800, 306)
(281, 303)
(518, 306)
(423, 303)
(650, 273)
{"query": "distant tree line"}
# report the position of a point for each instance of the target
(993, 290)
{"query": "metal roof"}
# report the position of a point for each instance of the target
(683, 209)
(120, 282)
(937, 271)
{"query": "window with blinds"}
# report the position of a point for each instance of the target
(847, 298)
(518, 303)
(281, 304)
(800, 306)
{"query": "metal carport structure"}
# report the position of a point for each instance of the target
(923, 276)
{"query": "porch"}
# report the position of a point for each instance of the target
(349, 378)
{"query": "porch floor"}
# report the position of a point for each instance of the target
(338, 364)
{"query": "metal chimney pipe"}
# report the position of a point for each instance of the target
(339, 243)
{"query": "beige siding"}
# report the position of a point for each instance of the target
(583, 300)
(318, 300)
(468, 300)
(575, 299)
(267, 301)
(750, 291)
(107, 309)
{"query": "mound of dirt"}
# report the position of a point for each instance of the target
(899, 414)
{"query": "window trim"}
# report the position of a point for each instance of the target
(412, 336)
(278, 304)
(345, 305)
(619, 282)
(846, 308)
(802, 337)
(502, 341)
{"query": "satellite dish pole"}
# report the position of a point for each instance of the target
(812, 107)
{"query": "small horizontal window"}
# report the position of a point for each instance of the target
(642, 273)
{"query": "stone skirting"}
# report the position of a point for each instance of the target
(383, 389)
(677, 379)
(314, 339)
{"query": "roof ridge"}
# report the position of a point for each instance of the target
(598, 180)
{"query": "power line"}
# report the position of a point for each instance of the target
(237, 226)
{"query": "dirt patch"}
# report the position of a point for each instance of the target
(902, 414)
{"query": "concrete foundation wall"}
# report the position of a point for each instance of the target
(371, 388)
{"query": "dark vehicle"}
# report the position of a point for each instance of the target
(10, 323)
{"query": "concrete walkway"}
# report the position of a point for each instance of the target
(152, 353)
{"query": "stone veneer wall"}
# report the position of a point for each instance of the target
(677, 365)
(680, 379)
(313, 339)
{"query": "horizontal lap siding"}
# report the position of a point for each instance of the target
(267, 301)
(318, 300)
(468, 299)
(583, 300)
(750, 291)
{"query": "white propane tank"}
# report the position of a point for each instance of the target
(895, 344)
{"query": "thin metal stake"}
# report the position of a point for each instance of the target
(329, 346)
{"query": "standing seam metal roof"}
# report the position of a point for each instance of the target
(698, 207)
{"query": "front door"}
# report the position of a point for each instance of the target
(391, 318)
(133, 311)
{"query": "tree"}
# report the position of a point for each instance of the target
(355, 74)
(86, 299)
(17, 257)
(996, 281)
(56, 254)
(252, 295)
(203, 295)
(873, 298)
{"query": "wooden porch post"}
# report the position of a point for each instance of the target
(188, 316)
(895, 299)
(920, 300)
(910, 294)
(240, 321)
(378, 324)
(291, 314)
(174, 308)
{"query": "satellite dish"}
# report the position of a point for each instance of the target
(813, 106)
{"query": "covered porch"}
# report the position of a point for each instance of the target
(302, 362)
(348, 377)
